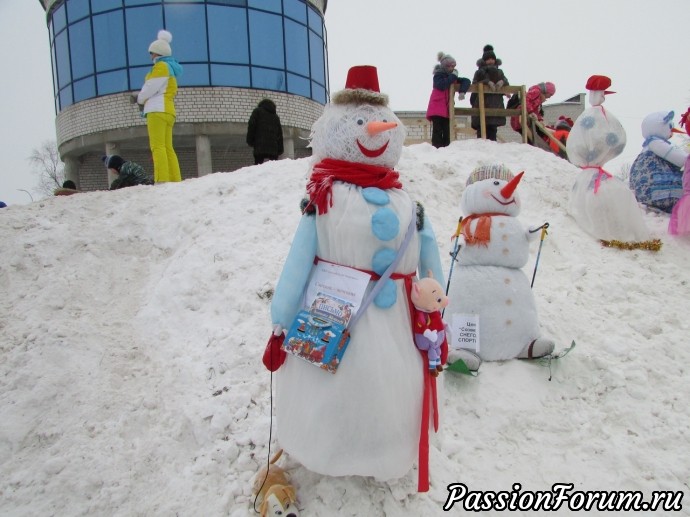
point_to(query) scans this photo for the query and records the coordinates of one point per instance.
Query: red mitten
(274, 356)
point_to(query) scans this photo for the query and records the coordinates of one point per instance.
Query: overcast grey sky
(643, 46)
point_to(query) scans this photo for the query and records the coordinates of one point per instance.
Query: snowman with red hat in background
(656, 175)
(372, 416)
(600, 203)
(489, 282)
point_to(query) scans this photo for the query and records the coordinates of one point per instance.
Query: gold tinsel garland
(651, 245)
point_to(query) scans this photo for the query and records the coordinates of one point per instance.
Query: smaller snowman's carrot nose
(508, 190)
(376, 127)
(679, 131)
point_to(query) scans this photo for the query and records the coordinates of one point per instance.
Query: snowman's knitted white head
(490, 189)
(659, 123)
(358, 126)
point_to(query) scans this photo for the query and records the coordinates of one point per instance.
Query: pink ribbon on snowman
(601, 174)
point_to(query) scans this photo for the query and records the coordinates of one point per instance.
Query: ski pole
(541, 243)
(453, 255)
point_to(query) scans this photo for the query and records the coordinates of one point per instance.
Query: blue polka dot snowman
(601, 204)
(366, 418)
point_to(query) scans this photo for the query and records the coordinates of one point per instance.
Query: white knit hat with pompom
(162, 45)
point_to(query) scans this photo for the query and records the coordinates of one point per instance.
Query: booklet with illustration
(319, 332)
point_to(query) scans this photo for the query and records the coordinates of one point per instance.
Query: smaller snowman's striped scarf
(482, 232)
(329, 170)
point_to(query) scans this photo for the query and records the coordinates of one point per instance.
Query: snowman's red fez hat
(598, 83)
(361, 87)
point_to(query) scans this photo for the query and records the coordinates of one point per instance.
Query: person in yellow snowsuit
(158, 99)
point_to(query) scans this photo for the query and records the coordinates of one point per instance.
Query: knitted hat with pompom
(162, 45)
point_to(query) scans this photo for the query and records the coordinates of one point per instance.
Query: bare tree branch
(46, 163)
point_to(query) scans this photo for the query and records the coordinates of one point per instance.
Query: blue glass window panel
(268, 79)
(137, 76)
(296, 47)
(55, 74)
(227, 34)
(229, 75)
(62, 58)
(98, 6)
(184, 1)
(81, 51)
(318, 70)
(65, 97)
(112, 82)
(187, 24)
(84, 89)
(139, 34)
(315, 21)
(296, 9)
(77, 9)
(318, 92)
(194, 75)
(266, 39)
(59, 19)
(109, 41)
(241, 3)
(140, 2)
(266, 5)
(299, 85)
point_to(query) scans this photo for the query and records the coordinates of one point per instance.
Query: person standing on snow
(493, 78)
(264, 132)
(445, 76)
(158, 99)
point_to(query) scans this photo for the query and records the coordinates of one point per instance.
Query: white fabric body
(596, 138)
(502, 298)
(488, 281)
(364, 419)
(611, 214)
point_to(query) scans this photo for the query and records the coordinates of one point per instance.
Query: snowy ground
(133, 323)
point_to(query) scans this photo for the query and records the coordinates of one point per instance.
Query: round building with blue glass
(234, 53)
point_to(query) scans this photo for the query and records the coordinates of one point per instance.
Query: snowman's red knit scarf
(329, 170)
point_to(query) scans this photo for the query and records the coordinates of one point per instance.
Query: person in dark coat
(492, 77)
(129, 174)
(264, 132)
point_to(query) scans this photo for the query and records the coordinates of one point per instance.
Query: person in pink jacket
(536, 96)
(445, 75)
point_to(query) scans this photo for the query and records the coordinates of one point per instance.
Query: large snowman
(600, 203)
(488, 281)
(370, 418)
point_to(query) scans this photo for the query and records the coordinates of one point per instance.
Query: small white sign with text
(464, 331)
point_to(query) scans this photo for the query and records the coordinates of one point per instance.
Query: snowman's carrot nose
(508, 190)
(679, 131)
(376, 127)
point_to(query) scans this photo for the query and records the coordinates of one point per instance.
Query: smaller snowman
(656, 175)
(600, 203)
(489, 282)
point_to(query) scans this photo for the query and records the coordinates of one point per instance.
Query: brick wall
(193, 105)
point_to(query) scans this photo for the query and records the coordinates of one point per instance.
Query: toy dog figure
(273, 489)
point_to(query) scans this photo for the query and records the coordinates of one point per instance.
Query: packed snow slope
(133, 324)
